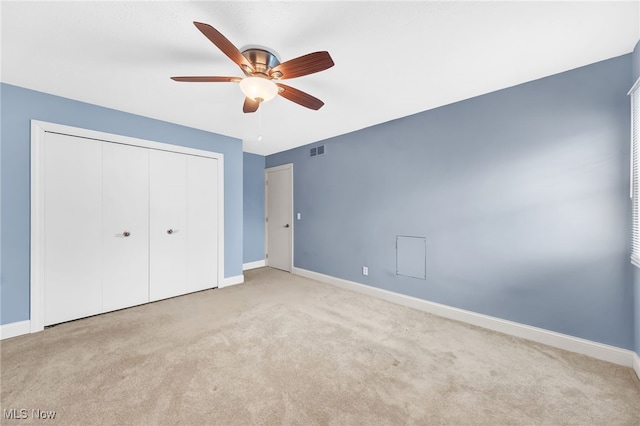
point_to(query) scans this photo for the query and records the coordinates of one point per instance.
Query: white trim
(280, 168)
(14, 329)
(220, 218)
(38, 131)
(37, 227)
(636, 364)
(634, 87)
(288, 166)
(562, 341)
(238, 279)
(121, 139)
(254, 265)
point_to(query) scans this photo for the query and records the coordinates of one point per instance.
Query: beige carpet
(281, 349)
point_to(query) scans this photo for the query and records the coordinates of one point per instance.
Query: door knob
(169, 231)
(126, 233)
(287, 225)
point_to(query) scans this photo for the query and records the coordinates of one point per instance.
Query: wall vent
(316, 150)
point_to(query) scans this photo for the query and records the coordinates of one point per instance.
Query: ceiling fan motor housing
(262, 61)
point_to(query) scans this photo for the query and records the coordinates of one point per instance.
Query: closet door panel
(72, 223)
(125, 229)
(202, 217)
(168, 224)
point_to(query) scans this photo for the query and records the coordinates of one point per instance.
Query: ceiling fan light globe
(258, 88)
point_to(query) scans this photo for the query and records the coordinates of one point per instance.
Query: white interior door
(167, 224)
(125, 227)
(202, 219)
(279, 218)
(72, 224)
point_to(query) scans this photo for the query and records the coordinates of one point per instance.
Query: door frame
(39, 129)
(289, 167)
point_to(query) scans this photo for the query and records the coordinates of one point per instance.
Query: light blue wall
(522, 195)
(253, 183)
(19, 106)
(636, 62)
(636, 283)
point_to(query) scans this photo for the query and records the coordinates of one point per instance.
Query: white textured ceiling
(392, 59)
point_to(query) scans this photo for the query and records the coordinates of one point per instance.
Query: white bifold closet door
(183, 238)
(202, 217)
(72, 228)
(125, 226)
(168, 225)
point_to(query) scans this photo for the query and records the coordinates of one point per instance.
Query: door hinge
(266, 219)
(266, 256)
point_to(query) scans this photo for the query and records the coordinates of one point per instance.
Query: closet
(121, 224)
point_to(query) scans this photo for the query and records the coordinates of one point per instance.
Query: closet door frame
(39, 129)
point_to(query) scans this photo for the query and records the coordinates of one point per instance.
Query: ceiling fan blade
(250, 105)
(224, 45)
(207, 79)
(299, 97)
(303, 65)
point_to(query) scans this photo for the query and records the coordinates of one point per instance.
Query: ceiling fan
(261, 69)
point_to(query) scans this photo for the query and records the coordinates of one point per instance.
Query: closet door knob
(169, 231)
(126, 233)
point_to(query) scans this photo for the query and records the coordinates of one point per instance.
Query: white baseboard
(254, 265)
(558, 340)
(238, 279)
(636, 364)
(15, 329)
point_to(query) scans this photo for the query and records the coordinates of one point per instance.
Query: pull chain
(259, 124)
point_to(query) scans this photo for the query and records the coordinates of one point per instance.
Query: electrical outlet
(365, 270)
